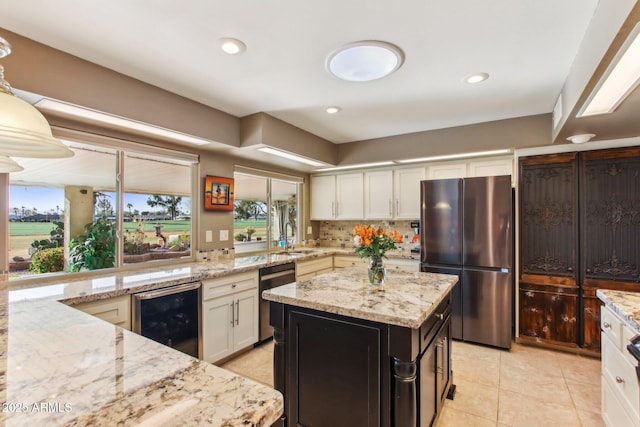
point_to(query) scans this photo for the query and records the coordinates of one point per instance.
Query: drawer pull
(619, 380)
(606, 325)
(440, 316)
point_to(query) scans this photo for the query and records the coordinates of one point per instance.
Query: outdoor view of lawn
(24, 233)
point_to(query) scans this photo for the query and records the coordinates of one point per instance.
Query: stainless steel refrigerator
(467, 230)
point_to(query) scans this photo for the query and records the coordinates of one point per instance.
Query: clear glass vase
(377, 271)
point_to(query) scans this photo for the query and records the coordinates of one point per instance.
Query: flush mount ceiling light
(619, 80)
(232, 46)
(477, 78)
(333, 110)
(24, 132)
(579, 139)
(55, 106)
(291, 156)
(365, 61)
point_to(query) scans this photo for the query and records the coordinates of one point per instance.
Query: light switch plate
(309, 230)
(224, 235)
(208, 236)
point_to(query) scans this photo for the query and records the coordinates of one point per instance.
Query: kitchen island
(349, 353)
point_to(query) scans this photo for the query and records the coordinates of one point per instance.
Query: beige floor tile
(584, 370)
(535, 384)
(473, 351)
(590, 419)
(518, 410)
(476, 370)
(256, 364)
(475, 399)
(453, 418)
(586, 397)
(532, 358)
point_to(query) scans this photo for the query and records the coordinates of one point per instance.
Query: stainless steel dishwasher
(272, 277)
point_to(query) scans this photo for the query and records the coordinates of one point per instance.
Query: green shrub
(95, 249)
(47, 261)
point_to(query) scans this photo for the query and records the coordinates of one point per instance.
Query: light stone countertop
(61, 366)
(625, 304)
(406, 299)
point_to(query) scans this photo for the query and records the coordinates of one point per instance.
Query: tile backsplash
(338, 234)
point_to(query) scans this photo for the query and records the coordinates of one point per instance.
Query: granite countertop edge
(34, 304)
(625, 304)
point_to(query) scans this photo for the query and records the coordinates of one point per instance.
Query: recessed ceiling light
(333, 110)
(232, 46)
(477, 78)
(579, 139)
(364, 61)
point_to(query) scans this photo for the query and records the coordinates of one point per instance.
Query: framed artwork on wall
(218, 193)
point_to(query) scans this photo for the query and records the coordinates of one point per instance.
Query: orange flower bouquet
(373, 243)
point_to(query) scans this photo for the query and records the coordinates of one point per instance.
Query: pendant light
(24, 132)
(7, 165)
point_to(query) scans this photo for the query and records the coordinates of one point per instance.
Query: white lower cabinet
(229, 315)
(115, 310)
(313, 267)
(620, 390)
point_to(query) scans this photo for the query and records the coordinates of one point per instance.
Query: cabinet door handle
(619, 380)
(333, 209)
(238, 312)
(390, 208)
(233, 313)
(606, 325)
(440, 316)
(397, 207)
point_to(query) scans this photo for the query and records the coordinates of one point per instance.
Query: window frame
(122, 148)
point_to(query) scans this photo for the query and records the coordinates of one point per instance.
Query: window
(266, 211)
(65, 213)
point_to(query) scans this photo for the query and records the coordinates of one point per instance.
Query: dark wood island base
(336, 370)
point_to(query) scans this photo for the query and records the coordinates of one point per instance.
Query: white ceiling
(527, 47)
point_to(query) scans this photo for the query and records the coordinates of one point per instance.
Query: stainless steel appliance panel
(487, 216)
(272, 277)
(441, 221)
(456, 297)
(487, 307)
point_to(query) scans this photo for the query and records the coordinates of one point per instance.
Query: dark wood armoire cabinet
(579, 231)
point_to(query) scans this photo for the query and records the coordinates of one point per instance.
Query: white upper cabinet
(406, 184)
(393, 194)
(378, 194)
(491, 167)
(386, 194)
(349, 200)
(337, 196)
(323, 197)
(447, 171)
